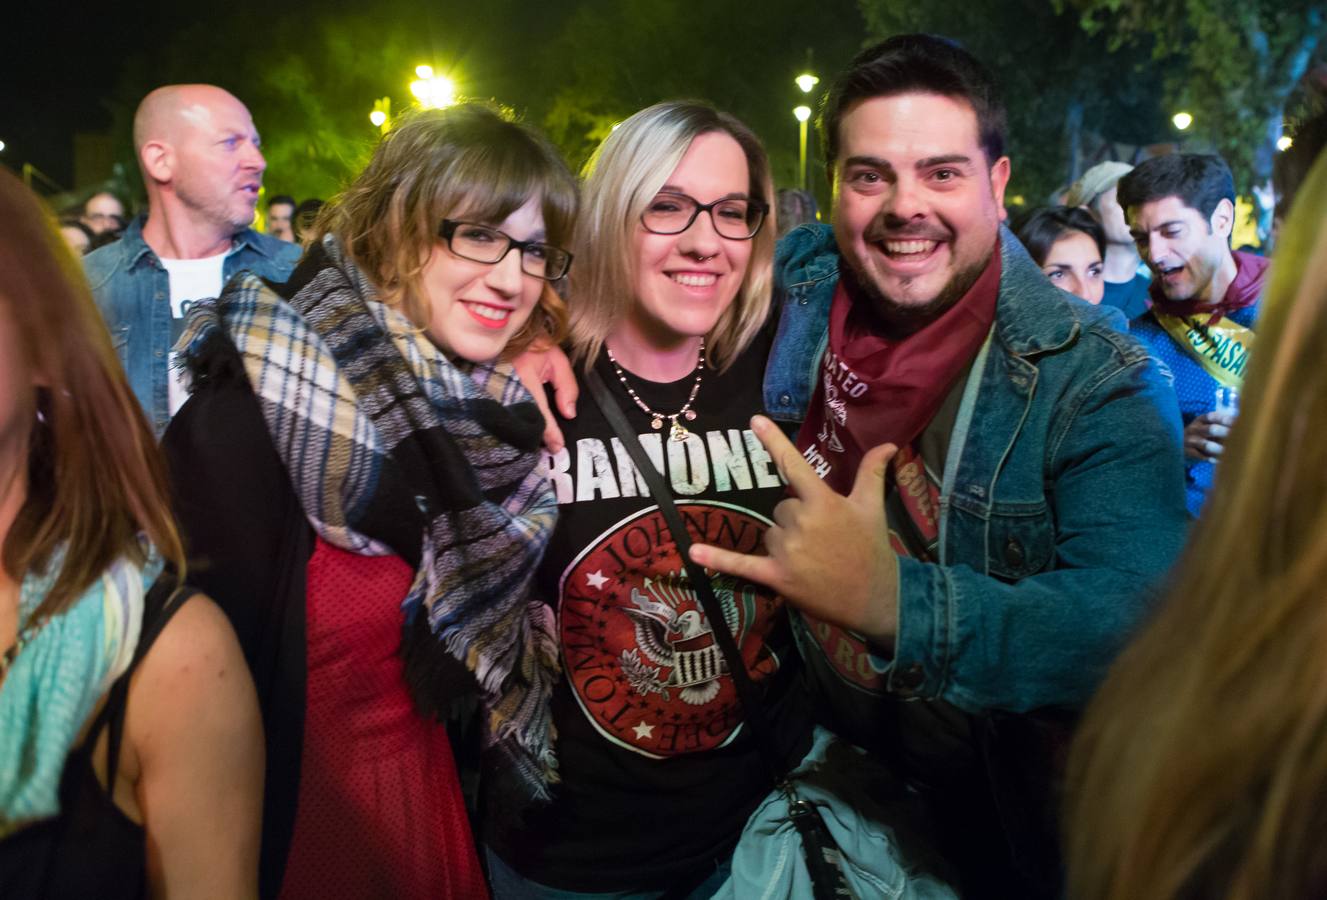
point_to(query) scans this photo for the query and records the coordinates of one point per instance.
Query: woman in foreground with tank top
(130, 744)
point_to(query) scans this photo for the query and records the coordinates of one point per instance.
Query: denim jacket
(132, 290)
(1062, 498)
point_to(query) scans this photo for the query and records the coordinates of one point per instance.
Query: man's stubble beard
(904, 319)
(215, 209)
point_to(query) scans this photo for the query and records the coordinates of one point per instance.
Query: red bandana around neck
(1245, 290)
(874, 389)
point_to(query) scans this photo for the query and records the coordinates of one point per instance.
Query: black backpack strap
(753, 705)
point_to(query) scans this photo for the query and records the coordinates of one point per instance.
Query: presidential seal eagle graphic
(639, 652)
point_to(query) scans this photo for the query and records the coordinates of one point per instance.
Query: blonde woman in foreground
(1201, 767)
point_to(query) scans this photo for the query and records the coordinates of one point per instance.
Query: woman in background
(1200, 769)
(1069, 245)
(130, 744)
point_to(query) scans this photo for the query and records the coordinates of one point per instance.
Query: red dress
(380, 809)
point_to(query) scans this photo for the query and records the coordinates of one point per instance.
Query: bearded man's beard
(899, 319)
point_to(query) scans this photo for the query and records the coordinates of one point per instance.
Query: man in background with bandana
(1181, 210)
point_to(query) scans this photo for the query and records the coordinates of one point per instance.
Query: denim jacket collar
(811, 255)
(134, 247)
(1020, 326)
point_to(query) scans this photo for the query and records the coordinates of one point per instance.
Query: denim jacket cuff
(920, 653)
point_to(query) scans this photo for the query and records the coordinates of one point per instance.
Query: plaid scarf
(364, 410)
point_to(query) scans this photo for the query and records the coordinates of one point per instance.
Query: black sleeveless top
(91, 849)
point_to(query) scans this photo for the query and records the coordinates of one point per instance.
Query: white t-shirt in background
(190, 280)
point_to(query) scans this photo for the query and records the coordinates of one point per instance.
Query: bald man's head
(165, 110)
(198, 149)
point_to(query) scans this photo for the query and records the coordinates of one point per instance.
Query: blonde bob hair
(620, 180)
(1200, 769)
(464, 162)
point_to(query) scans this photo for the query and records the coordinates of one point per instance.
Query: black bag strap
(159, 606)
(753, 706)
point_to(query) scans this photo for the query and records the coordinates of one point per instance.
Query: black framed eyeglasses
(736, 218)
(482, 244)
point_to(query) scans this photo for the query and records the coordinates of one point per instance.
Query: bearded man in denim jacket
(1028, 451)
(199, 154)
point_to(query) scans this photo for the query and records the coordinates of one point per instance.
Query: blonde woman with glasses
(669, 300)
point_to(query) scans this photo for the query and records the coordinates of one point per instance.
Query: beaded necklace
(678, 431)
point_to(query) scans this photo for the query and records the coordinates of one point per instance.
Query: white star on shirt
(597, 580)
(643, 731)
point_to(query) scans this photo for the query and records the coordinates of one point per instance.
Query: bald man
(199, 153)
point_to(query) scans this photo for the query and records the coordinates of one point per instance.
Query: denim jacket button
(1013, 554)
(910, 678)
(785, 399)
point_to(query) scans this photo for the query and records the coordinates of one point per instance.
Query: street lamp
(1182, 120)
(432, 91)
(807, 83)
(1283, 143)
(2, 146)
(381, 116)
(803, 116)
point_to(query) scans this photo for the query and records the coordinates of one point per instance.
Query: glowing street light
(807, 82)
(381, 116)
(1283, 143)
(431, 90)
(1182, 120)
(803, 115)
(2, 146)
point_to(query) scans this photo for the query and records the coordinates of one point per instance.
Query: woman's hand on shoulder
(545, 363)
(194, 727)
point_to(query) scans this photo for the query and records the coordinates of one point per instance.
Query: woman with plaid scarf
(356, 480)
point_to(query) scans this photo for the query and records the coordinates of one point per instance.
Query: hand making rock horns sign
(829, 555)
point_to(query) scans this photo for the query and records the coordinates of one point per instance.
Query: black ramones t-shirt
(658, 773)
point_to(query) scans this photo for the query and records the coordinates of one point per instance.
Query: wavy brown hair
(464, 162)
(1201, 767)
(95, 480)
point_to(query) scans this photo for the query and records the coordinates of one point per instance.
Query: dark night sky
(60, 62)
(60, 65)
